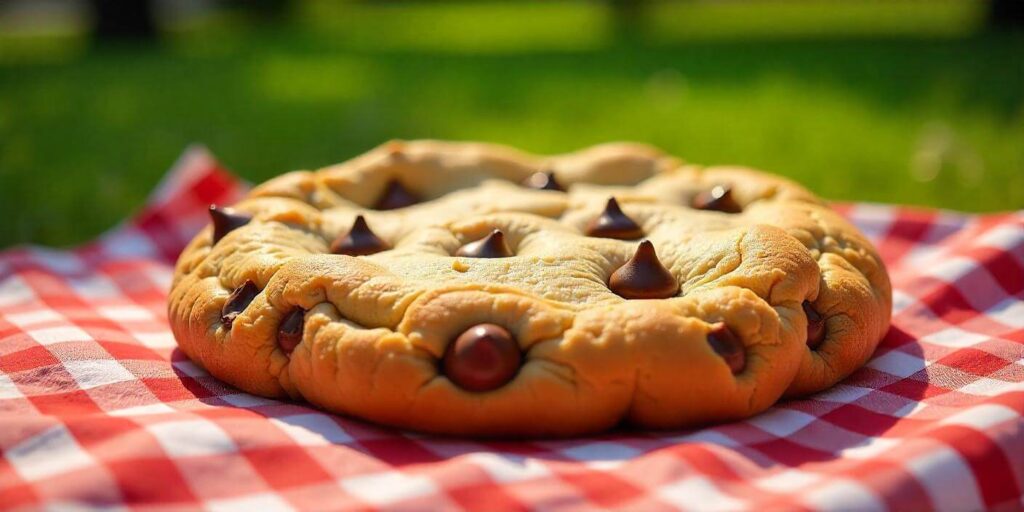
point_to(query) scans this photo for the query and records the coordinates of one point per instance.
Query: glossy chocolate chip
(226, 220)
(815, 326)
(719, 198)
(613, 223)
(726, 344)
(643, 276)
(289, 333)
(483, 358)
(237, 302)
(395, 196)
(543, 181)
(359, 241)
(490, 246)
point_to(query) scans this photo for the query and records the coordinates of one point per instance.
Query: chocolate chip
(289, 333)
(490, 246)
(543, 181)
(359, 241)
(483, 358)
(226, 220)
(719, 198)
(815, 326)
(613, 223)
(643, 276)
(237, 302)
(726, 344)
(395, 196)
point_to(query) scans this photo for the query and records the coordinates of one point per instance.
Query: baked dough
(269, 309)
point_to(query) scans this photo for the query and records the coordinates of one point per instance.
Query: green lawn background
(898, 102)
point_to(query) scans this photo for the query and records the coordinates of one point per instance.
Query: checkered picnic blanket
(98, 408)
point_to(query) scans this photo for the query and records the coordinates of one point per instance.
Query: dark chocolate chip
(643, 276)
(726, 344)
(395, 196)
(613, 223)
(719, 198)
(543, 181)
(226, 220)
(815, 326)
(359, 241)
(483, 358)
(490, 246)
(237, 302)
(289, 332)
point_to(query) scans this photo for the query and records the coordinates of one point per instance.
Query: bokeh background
(915, 102)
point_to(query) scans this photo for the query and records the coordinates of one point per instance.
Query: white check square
(61, 262)
(954, 337)
(601, 455)
(898, 363)
(901, 301)
(985, 386)
(95, 286)
(1008, 312)
(161, 276)
(843, 394)
(873, 220)
(390, 487)
(247, 400)
(871, 447)
(264, 502)
(13, 291)
(947, 479)
(1003, 237)
(29, 318)
(7, 388)
(505, 468)
(952, 269)
(704, 436)
(982, 416)
(189, 368)
(312, 429)
(52, 452)
(788, 480)
(851, 495)
(192, 438)
(156, 339)
(143, 410)
(51, 335)
(128, 242)
(698, 493)
(782, 422)
(91, 373)
(126, 313)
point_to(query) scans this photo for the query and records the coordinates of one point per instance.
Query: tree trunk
(1006, 14)
(123, 19)
(627, 18)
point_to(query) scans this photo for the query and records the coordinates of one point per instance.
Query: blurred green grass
(901, 102)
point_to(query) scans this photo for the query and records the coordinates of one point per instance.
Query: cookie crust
(375, 327)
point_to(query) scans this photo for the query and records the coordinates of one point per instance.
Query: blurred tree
(1006, 14)
(627, 18)
(121, 19)
(265, 10)
(272, 8)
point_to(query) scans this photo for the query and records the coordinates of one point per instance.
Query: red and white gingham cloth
(98, 408)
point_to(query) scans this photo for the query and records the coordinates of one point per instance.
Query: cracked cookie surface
(472, 289)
